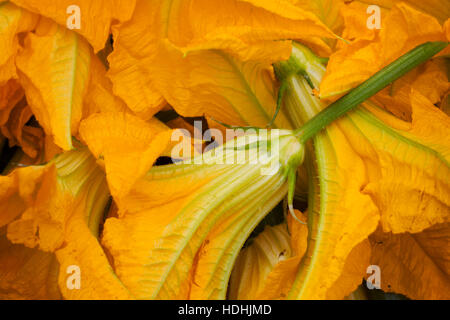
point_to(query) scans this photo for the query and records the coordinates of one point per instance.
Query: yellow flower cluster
(92, 93)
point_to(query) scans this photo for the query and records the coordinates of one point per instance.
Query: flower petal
(96, 16)
(328, 11)
(405, 28)
(437, 8)
(30, 139)
(27, 273)
(172, 58)
(10, 95)
(416, 265)
(187, 222)
(132, 45)
(413, 191)
(54, 71)
(355, 268)
(17, 191)
(225, 88)
(129, 146)
(341, 216)
(17, 21)
(64, 218)
(267, 268)
(430, 80)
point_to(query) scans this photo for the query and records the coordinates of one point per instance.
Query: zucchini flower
(180, 222)
(368, 168)
(180, 227)
(55, 211)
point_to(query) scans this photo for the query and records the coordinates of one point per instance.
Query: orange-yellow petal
(30, 139)
(415, 265)
(28, 274)
(132, 45)
(355, 269)
(96, 17)
(437, 8)
(64, 217)
(326, 10)
(405, 28)
(54, 71)
(128, 145)
(341, 215)
(267, 267)
(198, 56)
(17, 191)
(190, 220)
(10, 95)
(15, 20)
(99, 96)
(430, 80)
(255, 262)
(411, 188)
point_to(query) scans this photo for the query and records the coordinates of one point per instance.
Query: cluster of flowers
(88, 212)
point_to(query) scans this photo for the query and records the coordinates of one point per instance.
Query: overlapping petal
(437, 8)
(355, 268)
(54, 72)
(328, 11)
(267, 268)
(128, 145)
(96, 17)
(64, 81)
(429, 80)
(29, 138)
(421, 198)
(416, 265)
(18, 190)
(405, 28)
(187, 223)
(63, 216)
(14, 21)
(341, 216)
(377, 155)
(206, 64)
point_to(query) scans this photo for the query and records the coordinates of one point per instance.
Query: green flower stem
(376, 83)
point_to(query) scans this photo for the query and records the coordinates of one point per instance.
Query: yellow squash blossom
(359, 162)
(58, 208)
(206, 57)
(83, 190)
(268, 267)
(167, 201)
(57, 86)
(185, 220)
(14, 115)
(63, 217)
